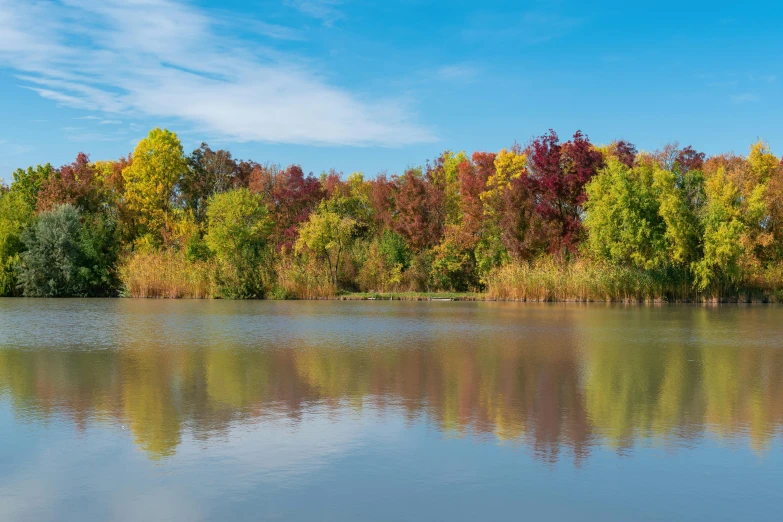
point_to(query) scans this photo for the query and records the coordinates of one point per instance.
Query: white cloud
(168, 60)
(745, 97)
(526, 27)
(8, 148)
(458, 72)
(324, 10)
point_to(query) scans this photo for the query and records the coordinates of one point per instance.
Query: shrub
(52, 264)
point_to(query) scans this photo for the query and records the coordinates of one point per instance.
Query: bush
(52, 265)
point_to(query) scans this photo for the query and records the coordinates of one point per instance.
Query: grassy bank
(411, 296)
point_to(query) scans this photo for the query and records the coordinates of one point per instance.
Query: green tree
(326, 234)
(28, 182)
(680, 199)
(725, 221)
(15, 216)
(237, 233)
(622, 218)
(53, 257)
(158, 162)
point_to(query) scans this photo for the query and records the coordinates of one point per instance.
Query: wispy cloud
(325, 10)
(458, 72)
(745, 97)
(9, 148)
(526, 27)
(170, 61)
(85, 134)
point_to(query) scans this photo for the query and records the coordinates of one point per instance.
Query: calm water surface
(352, 411)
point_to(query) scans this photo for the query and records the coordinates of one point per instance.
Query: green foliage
(28, 182)
(237, 233)
(680, 201)
(623, 219)
(15, 216)
(326, 235)
(100, 249)
(385, 260)
(54, 261)
(725, 227)
(394, 249)
(453, 266)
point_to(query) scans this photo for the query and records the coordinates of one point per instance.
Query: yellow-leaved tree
(158, 162)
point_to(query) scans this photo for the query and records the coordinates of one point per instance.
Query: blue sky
(372, 86)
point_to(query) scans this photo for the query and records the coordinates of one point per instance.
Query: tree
(680, 201)
(622, 216)
(521, 226)
(238, 229)
(28, 182)
(558, 174)
(73, 184)
(290, 197)
(209, 172)
(725, 222)
(53, 257)
(688, 159)
(444, 177)
(15, 216)
(158, 162)
(415, 218)
(625, 152)
(326, 234)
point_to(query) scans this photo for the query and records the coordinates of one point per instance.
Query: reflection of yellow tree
(741, 388)
(150, 392)
(237, 379)
(503, 386)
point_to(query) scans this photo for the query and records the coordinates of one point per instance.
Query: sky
(381, 86)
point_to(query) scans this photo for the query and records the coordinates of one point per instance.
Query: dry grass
(167, 274)
(549, 280)
(583, 281)
(299, 278)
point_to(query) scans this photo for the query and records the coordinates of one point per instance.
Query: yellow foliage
(158, 161)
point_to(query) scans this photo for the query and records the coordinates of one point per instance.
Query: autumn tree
(290, 197)
(74, 184)
(237, 233)
(415, 218)
(622, 216)
(29, 182)
(208, 172)
(326, 234)
(15, 216)
(150, 180)
(557, 174)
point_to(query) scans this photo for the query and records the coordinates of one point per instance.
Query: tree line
(550, 220)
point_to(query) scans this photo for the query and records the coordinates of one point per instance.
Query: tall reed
(551, 280)
(300, 278)
(167, 274)
(585, 280)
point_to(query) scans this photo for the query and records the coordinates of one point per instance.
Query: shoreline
(444, 297)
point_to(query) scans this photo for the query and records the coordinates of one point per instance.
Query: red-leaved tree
(557, 175)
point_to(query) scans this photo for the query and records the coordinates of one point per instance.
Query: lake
(131, 410)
